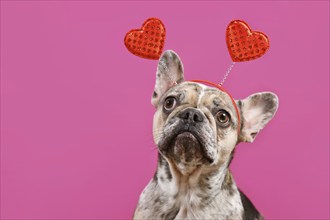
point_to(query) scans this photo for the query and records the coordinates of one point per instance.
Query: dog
(196, 129)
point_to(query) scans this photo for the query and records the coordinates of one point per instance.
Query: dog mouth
(187, 138)
(187, 147)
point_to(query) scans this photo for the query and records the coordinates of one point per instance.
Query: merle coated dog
(196, 129)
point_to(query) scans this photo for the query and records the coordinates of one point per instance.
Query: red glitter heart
(147, 42)
(243, 43)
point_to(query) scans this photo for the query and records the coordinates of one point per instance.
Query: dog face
(196, 126)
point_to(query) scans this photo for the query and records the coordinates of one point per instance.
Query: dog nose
(191, 115)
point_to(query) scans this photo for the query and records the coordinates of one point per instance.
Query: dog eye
(170, 103)
(223, 117)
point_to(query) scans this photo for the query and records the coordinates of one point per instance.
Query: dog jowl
(196, 129)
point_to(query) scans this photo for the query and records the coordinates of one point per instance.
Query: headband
(243, 44)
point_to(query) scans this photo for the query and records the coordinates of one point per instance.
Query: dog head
(196, 125)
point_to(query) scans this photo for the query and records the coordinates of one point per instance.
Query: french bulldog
(196, 129)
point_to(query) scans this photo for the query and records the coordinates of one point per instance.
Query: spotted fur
(193, 180)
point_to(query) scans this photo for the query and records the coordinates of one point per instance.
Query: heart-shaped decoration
(243, 43)
(147, 42)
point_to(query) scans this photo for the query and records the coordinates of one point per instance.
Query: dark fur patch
(254, 134)
(231, 157)
(216, 101)
(181, 96)
(266, 99)
(180, 69)
(155, 178)
(250, 212)
(204, 183)
(227, 184)
(241, 114)
(171, 214)
(168, 172)
(239, 105)
(163, 163)
(270, 105)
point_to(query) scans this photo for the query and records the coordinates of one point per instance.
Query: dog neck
(203, 184)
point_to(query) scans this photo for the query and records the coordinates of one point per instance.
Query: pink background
(76, 117)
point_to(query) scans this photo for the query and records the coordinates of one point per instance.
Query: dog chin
(187, 150)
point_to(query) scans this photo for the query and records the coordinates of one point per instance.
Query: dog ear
(169, 72)
(256, 111)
